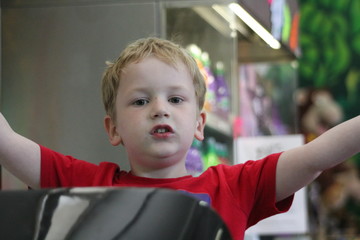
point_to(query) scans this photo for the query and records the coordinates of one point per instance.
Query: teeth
(161, 130)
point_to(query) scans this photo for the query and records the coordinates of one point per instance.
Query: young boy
(153, 96)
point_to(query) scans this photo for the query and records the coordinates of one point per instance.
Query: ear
(112, 132)
(200, 125)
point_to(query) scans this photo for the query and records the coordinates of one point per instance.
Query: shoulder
(244, 180)
(49, 155)
(249, 167)
(59, 170)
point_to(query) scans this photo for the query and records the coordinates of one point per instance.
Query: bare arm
(300, 166)
(19, 155)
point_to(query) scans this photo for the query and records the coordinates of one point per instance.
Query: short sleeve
(265, 204)
(58, 170)
(243, 194)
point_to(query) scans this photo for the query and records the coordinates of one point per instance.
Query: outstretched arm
(19, 155)
(300, 166)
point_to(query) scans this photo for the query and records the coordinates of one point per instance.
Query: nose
(159, 108)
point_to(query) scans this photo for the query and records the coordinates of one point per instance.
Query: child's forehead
(153, 66)
(154, 77)
(153, 63)
(171, 61)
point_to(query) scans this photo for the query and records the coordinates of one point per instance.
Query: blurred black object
(107, 213)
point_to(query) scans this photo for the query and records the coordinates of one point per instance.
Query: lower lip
(162, 135)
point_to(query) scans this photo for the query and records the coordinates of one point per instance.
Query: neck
(167, 172)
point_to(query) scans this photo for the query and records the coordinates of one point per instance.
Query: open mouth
(162, 129)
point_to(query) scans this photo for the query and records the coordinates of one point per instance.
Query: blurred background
(273, 68)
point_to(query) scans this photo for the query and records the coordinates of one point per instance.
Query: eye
(140, 102)
(176, 100)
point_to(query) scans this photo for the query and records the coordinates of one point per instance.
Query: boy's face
(157, 115)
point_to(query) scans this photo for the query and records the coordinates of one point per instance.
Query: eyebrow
(172, 88)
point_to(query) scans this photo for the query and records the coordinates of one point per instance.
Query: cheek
(130, 124)
(189, 123)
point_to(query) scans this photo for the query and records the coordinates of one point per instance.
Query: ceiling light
(255, 26)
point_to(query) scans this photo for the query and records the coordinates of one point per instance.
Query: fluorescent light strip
(254, 25)
(229, 16)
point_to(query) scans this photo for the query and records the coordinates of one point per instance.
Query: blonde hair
(165, 51)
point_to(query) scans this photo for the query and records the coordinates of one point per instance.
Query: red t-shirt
(242, 194)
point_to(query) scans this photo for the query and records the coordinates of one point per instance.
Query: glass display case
(208, 32)
(226, 44)
(267, 102)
